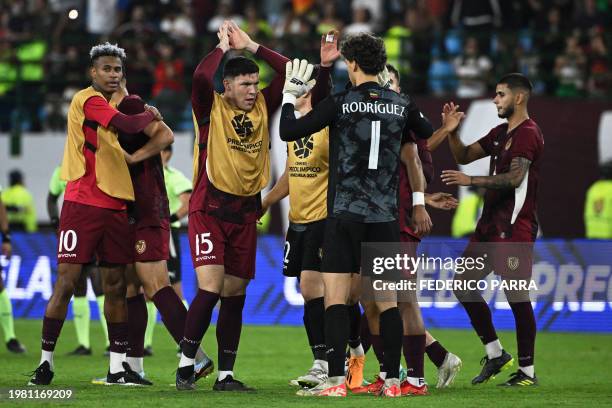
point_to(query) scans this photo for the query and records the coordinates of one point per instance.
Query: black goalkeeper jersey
(367, 126)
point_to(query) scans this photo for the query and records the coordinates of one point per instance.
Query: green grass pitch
(573, 369)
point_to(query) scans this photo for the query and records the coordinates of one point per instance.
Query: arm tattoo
(512, 179)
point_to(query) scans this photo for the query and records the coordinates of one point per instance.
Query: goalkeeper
(367, 125)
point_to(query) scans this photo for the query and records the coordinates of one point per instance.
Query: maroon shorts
(410, 244)
(151, 244)
(217, 242)
(509, 258)
(86, 230)
(408, 237)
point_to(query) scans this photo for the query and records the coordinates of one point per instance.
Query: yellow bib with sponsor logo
(112, 174)
(308, 168)
(238, 160)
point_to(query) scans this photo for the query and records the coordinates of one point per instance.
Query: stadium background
(562, 45)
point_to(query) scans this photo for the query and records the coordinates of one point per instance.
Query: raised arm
(275, 60)
(239, 40)
(418, 123)
(321, 89)
(273, 92)
(329, 54)
(202, 88)
(463, 154)
(293, 129)
(451, 118)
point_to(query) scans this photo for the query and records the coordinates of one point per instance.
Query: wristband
(288, 98)
(6, 237)
(418, 198)
(174, 218)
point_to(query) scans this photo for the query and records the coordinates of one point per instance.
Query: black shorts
(303, 247)
(174, 261)
(343, 238)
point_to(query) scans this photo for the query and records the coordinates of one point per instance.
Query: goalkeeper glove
(297, 80)
(383, 78)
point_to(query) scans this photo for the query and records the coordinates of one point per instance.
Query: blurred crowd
(441, 47)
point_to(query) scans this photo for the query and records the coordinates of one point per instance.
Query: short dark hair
(516, 80)
(131, 105)
(367, 51)
(106, 50)
(239, 66)
(394, 71)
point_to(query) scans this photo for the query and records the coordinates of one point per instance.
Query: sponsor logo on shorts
(205, 258)
(66, 255)
(141, 246)
(513, 263)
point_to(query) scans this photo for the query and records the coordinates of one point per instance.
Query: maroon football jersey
(510, 214)
(205, 196)
(151, 201)
(405, 191)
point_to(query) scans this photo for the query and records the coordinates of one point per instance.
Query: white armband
(418, 198)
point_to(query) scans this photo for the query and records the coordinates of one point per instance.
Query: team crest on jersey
(303, 147)
(141, 246)
(513, 263)
(508, 144)
(243, 126)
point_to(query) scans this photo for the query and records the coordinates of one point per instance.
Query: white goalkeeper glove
(383, 78)
(297, 80)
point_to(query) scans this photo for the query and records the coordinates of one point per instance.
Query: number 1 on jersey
(374, 145)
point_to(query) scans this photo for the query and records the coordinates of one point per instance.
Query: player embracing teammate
(94, 219)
